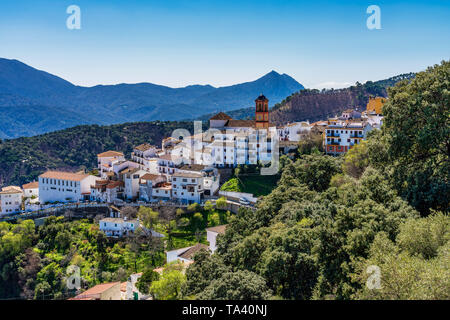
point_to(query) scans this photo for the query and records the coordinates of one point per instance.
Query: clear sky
(179, 43)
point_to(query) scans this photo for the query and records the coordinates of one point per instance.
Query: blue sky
(178, 43)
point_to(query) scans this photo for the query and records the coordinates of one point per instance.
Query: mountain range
(34, 102)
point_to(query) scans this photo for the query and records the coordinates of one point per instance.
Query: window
(193, 180)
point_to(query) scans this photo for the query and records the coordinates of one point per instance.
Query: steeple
(262, 112)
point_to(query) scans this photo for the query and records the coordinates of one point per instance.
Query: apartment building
(58, 186)
(10, 200)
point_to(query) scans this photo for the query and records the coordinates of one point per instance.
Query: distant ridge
(314, 105)
(34, 102)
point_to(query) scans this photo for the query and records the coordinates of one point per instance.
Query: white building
(341, 135)
(57, 186)
(184, 255)
(10, 200)
(107, 191)
(153, 187)
(187, 187)
(142, 153)
(106, 160)
(211, 235)
(131, 178)
(118, 227)
(294, 131)
(31, 190)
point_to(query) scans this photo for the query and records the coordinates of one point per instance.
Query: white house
(294, 131)
(131, 178)
(31, 190)
(211, 176)
(147, 183)
(65, 186)
(184, 255)
(118, 227)
(341, 135)
(211, 235)
(142, 153)
(106, 160)
(187, 187)
(107, 191)
(10, 200)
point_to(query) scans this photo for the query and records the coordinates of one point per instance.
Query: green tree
(417, 126)
(168, 287)
(239, 285)
(144, 282)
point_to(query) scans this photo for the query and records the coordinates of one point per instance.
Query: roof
(221, 116)
(115, 184)
(64, 175)
(144, 147)
(192, 167)
(108, 154)
(262, 98)
(218, 229)
(240, 123)
(168, 157)
(189, 253)
(31, 185)
(150, 176)
(129, 170)
(11, 189)
(96, 290)
(117, 220)
(187, 174)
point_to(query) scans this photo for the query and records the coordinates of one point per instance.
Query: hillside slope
(23, 159)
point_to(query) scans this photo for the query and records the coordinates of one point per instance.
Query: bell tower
(262, 112)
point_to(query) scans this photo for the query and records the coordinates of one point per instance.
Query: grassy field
(258, 185)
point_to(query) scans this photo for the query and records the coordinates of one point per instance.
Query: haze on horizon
(179, 43)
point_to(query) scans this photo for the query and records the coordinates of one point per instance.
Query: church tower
(262, 112)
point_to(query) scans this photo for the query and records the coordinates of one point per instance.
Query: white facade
(340, 136)
(106, 161)
(187, 187)
(211, 236)
(10, 200)
(293, 131)
(55, 186)
(118, 227)
(131, 180)
(31, 190)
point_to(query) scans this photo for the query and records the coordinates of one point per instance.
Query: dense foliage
(33, 260)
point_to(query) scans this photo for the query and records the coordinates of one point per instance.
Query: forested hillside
(23, 159)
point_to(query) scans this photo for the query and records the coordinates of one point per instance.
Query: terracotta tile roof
(108, 154)
(64, 175)
(192, 167)
(189, 254)
(221, 116)
(168, 157)
(96, 291)
(115, 184)
(31, 185)
(144, 147)
(240, 123)
(11, 189)
(218, 229)
(187, 175)
(150, 176)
